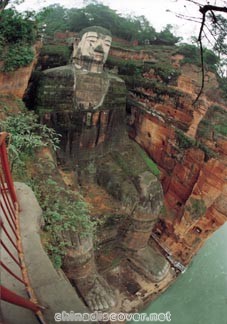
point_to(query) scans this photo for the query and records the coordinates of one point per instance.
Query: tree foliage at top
(17, 34)
(5, 3)
(166, 36)
(58, 18)
(192, 55)
(212, 29)
(16, 27)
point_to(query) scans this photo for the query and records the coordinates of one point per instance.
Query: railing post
(10, 297)
(5, 166)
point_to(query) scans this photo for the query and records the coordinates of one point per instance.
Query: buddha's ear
(76, 49)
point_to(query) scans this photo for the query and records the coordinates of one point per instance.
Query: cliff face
(178, 136)
(188, 143)
(15, 83)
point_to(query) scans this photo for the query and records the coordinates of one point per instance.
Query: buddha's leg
(79, 265)
(143, 257)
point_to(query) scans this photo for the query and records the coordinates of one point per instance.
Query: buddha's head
(92, 49)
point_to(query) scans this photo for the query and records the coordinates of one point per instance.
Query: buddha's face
(95, 46)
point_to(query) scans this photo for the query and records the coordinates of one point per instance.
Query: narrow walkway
(10, 313)
(51, 287)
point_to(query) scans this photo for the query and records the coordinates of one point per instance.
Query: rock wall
(129, 54)
(189, 145)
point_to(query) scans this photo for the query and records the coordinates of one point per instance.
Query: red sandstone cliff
(15, 83)
(193, 165)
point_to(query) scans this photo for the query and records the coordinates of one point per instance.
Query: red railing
(10, 240)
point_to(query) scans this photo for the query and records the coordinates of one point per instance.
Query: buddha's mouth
(98, 56)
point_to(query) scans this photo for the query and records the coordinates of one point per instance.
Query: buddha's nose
(99, 49)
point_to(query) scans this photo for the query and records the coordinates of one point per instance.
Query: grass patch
(149, 162)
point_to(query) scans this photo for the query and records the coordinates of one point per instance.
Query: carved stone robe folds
(86, 108)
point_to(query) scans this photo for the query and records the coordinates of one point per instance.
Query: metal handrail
(10, 226)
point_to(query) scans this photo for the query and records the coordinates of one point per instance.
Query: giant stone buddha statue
(82, 102)
(86, 105)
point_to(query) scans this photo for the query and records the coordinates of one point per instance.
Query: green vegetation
(214, 124)
(166, 37)
(60, 50)
(223, 86)
(5, 3)
(196, 208)
(221, 129)
(97, 29)
(17, 34)
(219, 32)
(150, 163)
(190, 52)
(65, 213)
(18, 55)
(57, 55)
(122, 163)
(134, 166)
(58, 18)
(184, 142)
(192, 55)
(166, 72)
(16, 27)
(27, 135)
(158, 88)
(129, 67)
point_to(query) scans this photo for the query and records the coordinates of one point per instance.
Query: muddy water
(199, 296)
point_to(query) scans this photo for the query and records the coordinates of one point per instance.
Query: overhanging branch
(204, 9)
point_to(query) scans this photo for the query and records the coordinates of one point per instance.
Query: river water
(199, 296)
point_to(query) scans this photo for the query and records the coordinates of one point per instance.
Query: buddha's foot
(150, 263)
(100, 297)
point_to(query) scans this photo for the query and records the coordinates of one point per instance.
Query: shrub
(221, 129)
(149, 162)
(64, 211)
(17, 55)
(196, 207)
(129, 67)
(190, 52)
(192, 55)
(184, 142)
(59, 50)
(17, 33)
(166, 72)
(17, 28)
(27, 135)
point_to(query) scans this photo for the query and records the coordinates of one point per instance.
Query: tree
(166, 36)
(55, 17)
(5, 3)
(219, 33)
(16, 27)
(144, 30)
(58, 18)
(208, 15)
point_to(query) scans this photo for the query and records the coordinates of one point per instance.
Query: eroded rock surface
(88, 108)
(187, 142)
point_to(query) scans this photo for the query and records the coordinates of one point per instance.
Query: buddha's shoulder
(115, 77)
(61, 71)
